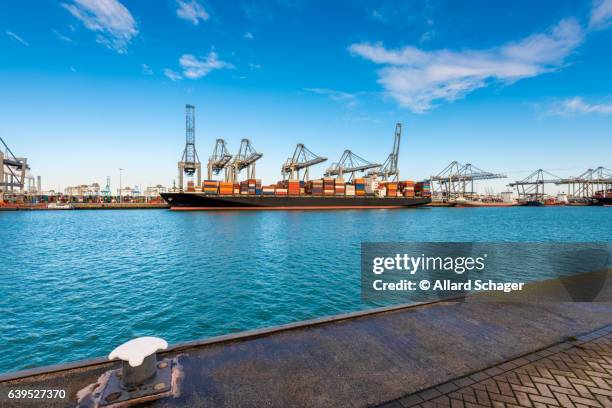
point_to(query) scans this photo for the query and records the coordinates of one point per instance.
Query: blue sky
(89, 86)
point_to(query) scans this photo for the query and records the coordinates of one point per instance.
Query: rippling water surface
(74, 284)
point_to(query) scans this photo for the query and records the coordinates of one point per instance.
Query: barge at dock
(200, 201)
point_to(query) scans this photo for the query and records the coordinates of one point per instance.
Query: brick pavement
(574, 374)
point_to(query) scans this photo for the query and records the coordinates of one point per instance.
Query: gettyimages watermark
(534, 272)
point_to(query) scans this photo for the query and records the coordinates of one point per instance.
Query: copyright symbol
(424, 284)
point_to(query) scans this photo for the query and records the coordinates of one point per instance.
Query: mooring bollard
(139, 360)
(141, 376)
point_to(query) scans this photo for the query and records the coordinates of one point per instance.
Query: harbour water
(75, 284)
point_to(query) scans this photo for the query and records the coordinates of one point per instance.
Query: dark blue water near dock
(75, 284)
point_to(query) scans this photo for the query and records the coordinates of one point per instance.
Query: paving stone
(561, 376)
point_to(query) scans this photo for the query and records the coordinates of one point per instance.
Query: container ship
(322, 194)
(295, 191)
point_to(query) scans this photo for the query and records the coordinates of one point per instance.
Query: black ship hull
(199, 201)
(603, 200)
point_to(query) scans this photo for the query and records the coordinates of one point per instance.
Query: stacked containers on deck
(371, 185)
(236, 188)
(268, 190)
(316, 187)
(426, 189)
(339, 187)
(350, 190)
(423, 189)
(329, 185)
(226, 188)
(254, 186)
(391, 189)
(190, 186)
(244, 187)
(407, 188)
(293, 187)
(360, 187)
(210, 187)
(281, 189)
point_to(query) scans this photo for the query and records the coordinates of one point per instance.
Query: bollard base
(110, 391)
(113, 392)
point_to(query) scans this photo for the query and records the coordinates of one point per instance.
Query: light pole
(120, 186)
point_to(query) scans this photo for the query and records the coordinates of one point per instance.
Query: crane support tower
(457, 180)
(244, 159)
(13, 171)
(389, 171)
(350, 163)
(219, 160)
(190, 163)
(302, 159)
(531, 188)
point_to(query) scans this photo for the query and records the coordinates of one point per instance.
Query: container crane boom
(220, 158)
(350, 163)
(245, 159)
(302, 159)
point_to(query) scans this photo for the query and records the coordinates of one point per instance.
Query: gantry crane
(457, 180)
(244, 159)
(531, 188)
(350, 163)
(13, 170)
(389, 171)
(219, 160)
(588, 183)
(190, 162)
(302, 159)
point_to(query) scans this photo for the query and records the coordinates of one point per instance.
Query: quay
(83, 206)
(444, 353)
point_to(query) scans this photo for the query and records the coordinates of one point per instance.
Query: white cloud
(419, 80)
(17, 38)
(173, 75)
(348, 99)
(195, 68)
(577, 106)
(113, 23)
(146, 69)
(601, 14)
(62, 36)
(191, 11)
(249, 35)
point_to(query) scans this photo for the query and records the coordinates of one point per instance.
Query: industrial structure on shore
(456, 183)
(352, 176)
(593, 184)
